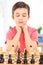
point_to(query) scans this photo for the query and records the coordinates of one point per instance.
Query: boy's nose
(20, 17)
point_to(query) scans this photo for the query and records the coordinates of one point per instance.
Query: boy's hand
(18, 29)
(24, 28)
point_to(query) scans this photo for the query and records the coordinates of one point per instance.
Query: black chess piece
(32, 59)
(18, 58)
(10, 59)
(25, 61)
(41, 59)
(30, 45)
(1, 58)
(12, 45)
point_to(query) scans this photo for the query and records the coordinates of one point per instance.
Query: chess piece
(10, 59)
(12, 45)
(0, 50)
(18, 58)
(30, 51)
(1, 58)
(30, 45)
(12, 50)
(32, 59)
(25, 61)
(41, 59)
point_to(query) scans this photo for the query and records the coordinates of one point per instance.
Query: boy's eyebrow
(22, 13)
(17, 13)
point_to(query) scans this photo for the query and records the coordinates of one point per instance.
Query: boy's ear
(12, 17)
(28, 17)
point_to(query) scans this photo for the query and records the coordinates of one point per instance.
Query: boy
(22, 35)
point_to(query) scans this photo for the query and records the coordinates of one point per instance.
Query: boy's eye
(24, 15)
(17, 15)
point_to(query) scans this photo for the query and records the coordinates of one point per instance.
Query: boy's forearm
(16, 37)
(14, 42)
(29, 41)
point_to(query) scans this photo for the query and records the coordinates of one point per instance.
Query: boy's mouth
(20, 22)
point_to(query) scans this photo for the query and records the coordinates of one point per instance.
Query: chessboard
(19, 64)
(20, 58)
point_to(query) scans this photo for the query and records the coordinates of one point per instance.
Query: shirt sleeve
(9, 35)
(34, 35)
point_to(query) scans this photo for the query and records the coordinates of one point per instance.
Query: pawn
(32, 59)
(1, 58)
(41, 59)
(25, 61)
(18, 58)
(10, 59)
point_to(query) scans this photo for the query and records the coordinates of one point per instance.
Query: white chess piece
(40, 49)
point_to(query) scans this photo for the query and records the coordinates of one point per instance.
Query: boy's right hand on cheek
(18, 29)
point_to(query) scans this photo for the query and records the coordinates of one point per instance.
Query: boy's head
(20, 13)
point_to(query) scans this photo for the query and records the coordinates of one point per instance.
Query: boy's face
(21, 16)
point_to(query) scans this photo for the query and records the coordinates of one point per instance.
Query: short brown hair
(20, 5)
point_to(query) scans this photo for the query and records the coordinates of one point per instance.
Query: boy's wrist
(18, 29)
(25, 28)
(18, 33)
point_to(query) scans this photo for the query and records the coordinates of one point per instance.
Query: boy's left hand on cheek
(25, 28)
